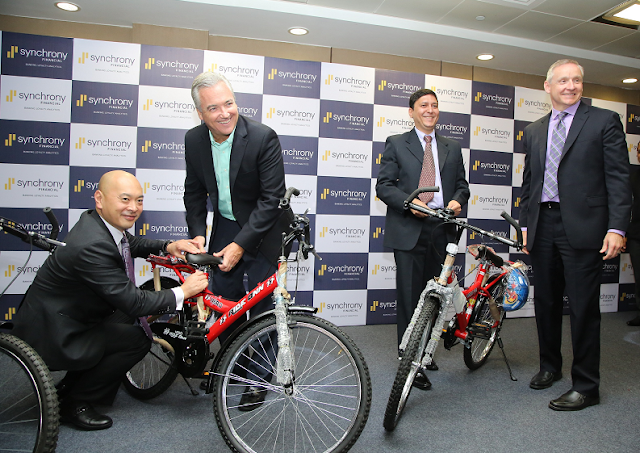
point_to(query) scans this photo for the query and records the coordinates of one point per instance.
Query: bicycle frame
(228, 310)
(438, 286)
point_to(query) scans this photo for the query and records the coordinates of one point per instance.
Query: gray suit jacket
(399, 175)
(593, 177)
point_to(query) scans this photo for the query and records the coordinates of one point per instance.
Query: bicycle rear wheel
(487, 327)
(155, 373)
(410, 363)
(28, 399)
(330, 399)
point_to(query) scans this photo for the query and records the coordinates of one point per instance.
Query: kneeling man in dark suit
(65, 314)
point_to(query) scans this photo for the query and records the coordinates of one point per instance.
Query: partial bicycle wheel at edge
(155, 373)
(28, 399)
(479, 348)
(331, 396)
(410, 363)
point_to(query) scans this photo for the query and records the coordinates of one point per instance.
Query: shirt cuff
(620, 232)
(179, 297)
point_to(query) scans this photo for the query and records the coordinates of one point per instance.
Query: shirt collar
(228, 141)
(569, 110)
(115, 233)
(421, 135)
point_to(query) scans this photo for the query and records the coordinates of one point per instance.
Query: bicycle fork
(285, 364)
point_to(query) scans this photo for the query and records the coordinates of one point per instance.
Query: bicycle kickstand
(513, 378)
(194, 392)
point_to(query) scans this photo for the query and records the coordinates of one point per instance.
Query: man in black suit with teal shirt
(418, 241)
(66, 315)
(237, 164)
(575, 206)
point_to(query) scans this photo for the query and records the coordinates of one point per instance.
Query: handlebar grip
(514, 224)
(495, 259)
(418, 191)
(54, 222)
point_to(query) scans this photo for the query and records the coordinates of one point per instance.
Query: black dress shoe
(544, 379)
(421, 381)
(82, 415)
(634, 322)
(252, 398)
(573, 401)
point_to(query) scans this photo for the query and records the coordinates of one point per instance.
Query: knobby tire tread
(36, 368)
(395, 405)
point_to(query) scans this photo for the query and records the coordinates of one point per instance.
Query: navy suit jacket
(256, 176)
(593, 177)
(399, 175)
(77, 288)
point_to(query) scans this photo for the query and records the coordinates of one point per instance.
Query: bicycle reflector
(517, 291)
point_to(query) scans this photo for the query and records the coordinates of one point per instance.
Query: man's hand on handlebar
(194, 284)
(418, 214)
(179, 248)
(455, 207)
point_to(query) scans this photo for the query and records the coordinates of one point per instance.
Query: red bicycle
(499, 286)
(321, 396)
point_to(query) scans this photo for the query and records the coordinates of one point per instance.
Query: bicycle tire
(410, 363)
(155, 373)
(29, 417)
(478, 349)
(331, 396)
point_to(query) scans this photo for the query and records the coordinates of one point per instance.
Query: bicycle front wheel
(410, 363)
(487, 327)
(324, 411)
(28, 399)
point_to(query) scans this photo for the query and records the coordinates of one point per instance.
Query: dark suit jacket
(399, 175)
(256, 176)
(593, 177)
(77, 287)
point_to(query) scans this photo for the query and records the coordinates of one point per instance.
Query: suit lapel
(443, 152)
(578, 122)
(542, 140)
(207, 158)
(238, 148)
(415, 147)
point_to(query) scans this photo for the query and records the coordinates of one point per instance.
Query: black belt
(550, 205)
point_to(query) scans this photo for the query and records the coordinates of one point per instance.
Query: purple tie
(131, 273)
(558, 137)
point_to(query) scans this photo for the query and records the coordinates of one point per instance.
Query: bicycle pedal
(196, 330)
(480, 330)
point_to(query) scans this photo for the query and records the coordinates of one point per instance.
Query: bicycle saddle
(203, 259)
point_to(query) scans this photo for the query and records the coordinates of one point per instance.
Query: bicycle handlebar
(447, 216)
(31, 237)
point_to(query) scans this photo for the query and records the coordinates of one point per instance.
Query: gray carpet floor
(479, 411)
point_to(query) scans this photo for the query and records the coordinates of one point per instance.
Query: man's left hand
(612, 245)
(179, 248)
(231, 254)
(455, 207)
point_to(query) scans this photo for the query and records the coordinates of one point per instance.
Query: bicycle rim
(28, 400)
(410, 364)
(479, 348)
(152, 375)
(331, 397)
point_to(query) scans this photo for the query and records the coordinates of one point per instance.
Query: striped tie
(558, 136)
